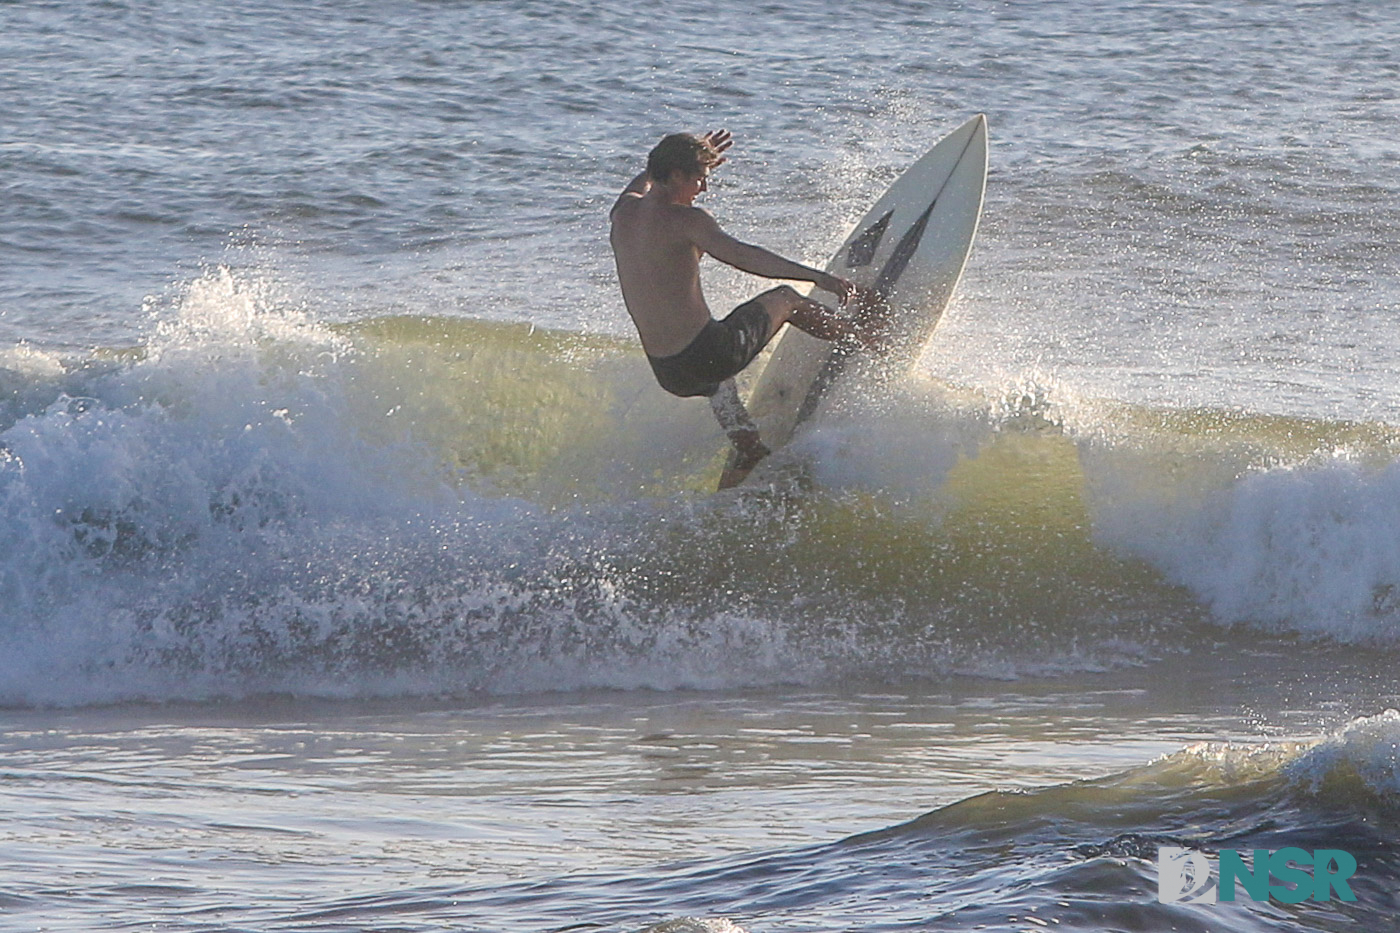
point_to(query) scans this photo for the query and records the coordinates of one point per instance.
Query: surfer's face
(693, 186)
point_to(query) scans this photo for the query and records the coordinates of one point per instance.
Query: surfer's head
(684, 153)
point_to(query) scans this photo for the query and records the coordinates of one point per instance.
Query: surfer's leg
(871, 313)
(734, 418)
(785, 304)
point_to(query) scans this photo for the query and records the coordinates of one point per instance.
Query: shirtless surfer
(658, 237)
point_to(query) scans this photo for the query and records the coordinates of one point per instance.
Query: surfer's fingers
(846, 291)
(841, 288)
(720, 139)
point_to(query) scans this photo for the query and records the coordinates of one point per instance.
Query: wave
(1081, 856)
(256, 500)
(1084, 855)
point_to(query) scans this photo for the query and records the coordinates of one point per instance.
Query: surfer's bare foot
(748, 451)
(748, 448)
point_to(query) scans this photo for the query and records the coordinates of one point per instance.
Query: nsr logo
(1183, 875)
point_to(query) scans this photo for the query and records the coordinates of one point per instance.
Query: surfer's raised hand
(719, 140)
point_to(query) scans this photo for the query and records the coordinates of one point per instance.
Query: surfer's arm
(707, 235)
(635, 189)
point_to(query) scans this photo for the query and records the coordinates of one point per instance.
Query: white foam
(246, 507)
(217, 517)
(27, 360)
(696, 925)
(1310, 547)
(1367, 749)
(227, 441)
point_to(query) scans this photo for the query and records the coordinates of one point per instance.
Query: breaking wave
(255, 500)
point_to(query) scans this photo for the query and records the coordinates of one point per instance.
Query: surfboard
(910, 248)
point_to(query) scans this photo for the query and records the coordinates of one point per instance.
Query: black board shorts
(720, 351)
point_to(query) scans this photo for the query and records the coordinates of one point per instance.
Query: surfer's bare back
(658, 237)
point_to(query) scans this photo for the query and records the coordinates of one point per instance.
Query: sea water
(355, 575)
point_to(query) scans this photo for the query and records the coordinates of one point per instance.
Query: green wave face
(545, 414)
(1025, 507)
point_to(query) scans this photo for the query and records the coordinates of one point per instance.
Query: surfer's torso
(658, 266)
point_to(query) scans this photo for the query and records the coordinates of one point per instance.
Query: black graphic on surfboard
(884, 285)
(862, 251)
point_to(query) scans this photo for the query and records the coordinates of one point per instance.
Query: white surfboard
(910, 248)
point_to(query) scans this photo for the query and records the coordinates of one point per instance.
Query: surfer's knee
(784, 297)
(781, 303)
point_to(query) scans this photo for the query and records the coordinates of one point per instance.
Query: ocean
(355, 575)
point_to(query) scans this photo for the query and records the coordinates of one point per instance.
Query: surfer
(658, 237)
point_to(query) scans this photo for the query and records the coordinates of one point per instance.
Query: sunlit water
(354, 574)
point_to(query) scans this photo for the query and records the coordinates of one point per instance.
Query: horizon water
(355, 575)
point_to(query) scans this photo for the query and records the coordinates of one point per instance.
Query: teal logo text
(1290, 875)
